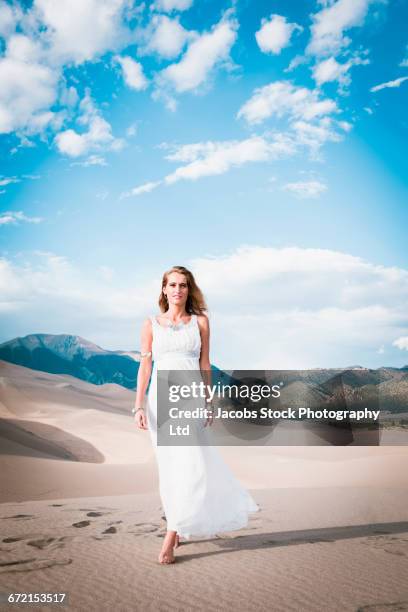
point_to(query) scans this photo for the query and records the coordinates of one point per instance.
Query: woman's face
(176, 289)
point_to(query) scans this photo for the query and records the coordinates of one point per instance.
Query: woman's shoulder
(148, 321)
(202, 320)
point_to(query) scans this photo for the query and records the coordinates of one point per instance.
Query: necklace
(172, 325)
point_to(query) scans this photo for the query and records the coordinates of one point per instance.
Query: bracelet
(137, 410)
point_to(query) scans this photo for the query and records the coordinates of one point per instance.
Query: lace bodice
(174, 343)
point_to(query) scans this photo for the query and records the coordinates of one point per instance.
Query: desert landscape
(81, 513)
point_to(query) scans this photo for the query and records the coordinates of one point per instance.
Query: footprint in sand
(81, 524)
(143, 528)
(20, 516)
(12, 539)
(49, 542)
(93, 509)
(39, 542)
(107, 531)
(8, 563)
(28, 565)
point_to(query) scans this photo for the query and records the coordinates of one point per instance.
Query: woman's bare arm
(204, 326)
(205, 365)
(145, 370)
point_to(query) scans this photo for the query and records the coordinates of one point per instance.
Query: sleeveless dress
(199, 493)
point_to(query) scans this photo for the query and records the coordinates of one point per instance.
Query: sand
(81, 514)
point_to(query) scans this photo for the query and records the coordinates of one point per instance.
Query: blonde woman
(200, 495)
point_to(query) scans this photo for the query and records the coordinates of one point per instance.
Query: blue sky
(260, 144)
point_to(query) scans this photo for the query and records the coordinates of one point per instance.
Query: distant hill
(66, 354)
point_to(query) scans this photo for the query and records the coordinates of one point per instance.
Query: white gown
(199, 493)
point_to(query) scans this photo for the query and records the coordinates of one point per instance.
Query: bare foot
(166, 555)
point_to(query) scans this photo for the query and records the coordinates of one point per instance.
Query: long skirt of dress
(200, 495)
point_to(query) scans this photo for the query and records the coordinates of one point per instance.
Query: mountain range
(76, 356)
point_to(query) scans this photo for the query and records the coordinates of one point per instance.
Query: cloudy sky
(260, 144)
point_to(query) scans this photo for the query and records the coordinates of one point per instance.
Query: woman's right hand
(141, 419)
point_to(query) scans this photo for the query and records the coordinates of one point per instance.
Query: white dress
(199, 493)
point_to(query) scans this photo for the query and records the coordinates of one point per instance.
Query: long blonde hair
(195, 303)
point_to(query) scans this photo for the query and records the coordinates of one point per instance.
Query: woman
(199, 493)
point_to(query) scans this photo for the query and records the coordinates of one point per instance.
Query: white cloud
(69, 96)
(298, 60)
(392, 84)
(102, 195)
(23, 48)
(282, 98)
(275, 34)
(132, 72)
(76, 300)
(165, 36)
(300, 307)
(202, 56)
(213, 158)
(306, 189)
(15, 216)
(98, 137)
(145, 188)
(9, 180)
(93, 160)
(131, 130)
(169, 100)
(401, 343)
(173, 5)
(331, 23)
(48, 37)
(315, 135)
(71, 143)
(27, 91)
(329, 70)
(9, 16)
(80, 30)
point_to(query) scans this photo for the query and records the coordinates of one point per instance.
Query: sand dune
(81, 514)
(30, 435)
